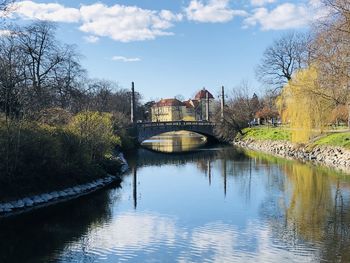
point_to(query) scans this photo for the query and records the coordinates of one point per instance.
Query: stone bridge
(146, 130)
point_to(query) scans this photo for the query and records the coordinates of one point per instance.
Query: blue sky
(173, 47)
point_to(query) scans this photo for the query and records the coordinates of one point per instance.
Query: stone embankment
(37, 201)
(335, 157)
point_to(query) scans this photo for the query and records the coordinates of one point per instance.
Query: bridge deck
(146, 130)
(175, 123)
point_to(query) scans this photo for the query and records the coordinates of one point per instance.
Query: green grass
(341, 139)
(335, 139)
(266, 133)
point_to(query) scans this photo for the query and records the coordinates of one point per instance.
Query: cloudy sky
(173, 47)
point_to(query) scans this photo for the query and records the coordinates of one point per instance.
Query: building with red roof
(189, 110)
(202, 94)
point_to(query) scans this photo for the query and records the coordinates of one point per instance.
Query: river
(207, 204)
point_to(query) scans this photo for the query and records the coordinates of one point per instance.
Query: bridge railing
(175, 123)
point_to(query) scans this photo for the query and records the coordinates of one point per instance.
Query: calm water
(214, 205)
(175, 142)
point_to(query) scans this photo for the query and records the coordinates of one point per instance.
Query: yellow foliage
(95, 129)
(311, 200)
(304, 104)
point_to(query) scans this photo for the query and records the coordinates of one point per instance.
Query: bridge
(146, 130)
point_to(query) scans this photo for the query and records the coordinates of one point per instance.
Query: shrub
(95, 131)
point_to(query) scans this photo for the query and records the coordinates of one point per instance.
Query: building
(189, 110)
(167, 110)
(201, 97)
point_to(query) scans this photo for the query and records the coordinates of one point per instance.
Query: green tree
(95, 130)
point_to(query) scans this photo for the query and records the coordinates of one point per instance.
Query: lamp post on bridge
(132, 114)
(222, 102)
(207, 105)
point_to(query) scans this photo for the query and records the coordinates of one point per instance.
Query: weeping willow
(304, 104)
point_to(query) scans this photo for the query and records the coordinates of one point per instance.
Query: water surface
(175, 142)
(217, 204)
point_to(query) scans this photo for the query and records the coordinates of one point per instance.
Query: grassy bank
(265, 133)
(339, 139)
(38, 157)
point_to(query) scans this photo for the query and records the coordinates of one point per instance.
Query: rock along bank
(330, 156)
(30, 203)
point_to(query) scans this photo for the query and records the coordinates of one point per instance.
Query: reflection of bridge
(205, 160)
(147, 130)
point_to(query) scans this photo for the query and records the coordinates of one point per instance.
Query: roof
(202, 94)
(188, 104)
(168, 102)
(191, 103)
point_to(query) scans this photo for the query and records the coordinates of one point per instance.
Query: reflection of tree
(310, 202)
(308, 205)
(337, 239)
(144, 157)
(39, 236)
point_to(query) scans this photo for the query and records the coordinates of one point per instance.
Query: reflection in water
(209, 172)
(134, 189)
(171, 142)
(214, 205)
(42, 235)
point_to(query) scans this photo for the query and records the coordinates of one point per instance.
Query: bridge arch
(147, 130)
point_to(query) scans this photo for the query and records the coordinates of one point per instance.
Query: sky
(170, 47)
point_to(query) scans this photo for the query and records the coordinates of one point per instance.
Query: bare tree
(282, 59)
(340, 12)
(67, 78)
(6, 6)
(239, 111)
(43, 55)
(331, 53)
(12, 65)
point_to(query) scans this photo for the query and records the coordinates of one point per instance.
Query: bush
(38, 157)
(96, 133)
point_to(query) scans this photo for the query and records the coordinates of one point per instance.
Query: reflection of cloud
(134, 231)
(134, 235)
(218, 239)
(219, 242)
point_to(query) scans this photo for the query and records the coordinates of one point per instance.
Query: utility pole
(207, 105)
(222, 102)
(132, 115)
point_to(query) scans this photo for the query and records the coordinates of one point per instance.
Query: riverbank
(320, 151)
(30, 203)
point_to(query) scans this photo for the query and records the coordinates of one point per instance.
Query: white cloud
(92, 39)
(119, 22)
(126, 23)
(286, 16)
(215, 11)
(50, 12)
(5, 33)
(261, 2)
(125, 59)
